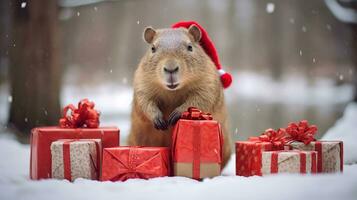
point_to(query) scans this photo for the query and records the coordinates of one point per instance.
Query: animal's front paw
(174, 117)
(160, 123)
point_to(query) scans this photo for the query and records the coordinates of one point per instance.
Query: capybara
(174, 74)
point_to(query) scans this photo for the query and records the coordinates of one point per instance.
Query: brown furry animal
(174, 74)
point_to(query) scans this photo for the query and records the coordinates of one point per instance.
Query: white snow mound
(15, 184)
(345, 129)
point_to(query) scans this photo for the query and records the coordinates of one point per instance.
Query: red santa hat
(207, 44)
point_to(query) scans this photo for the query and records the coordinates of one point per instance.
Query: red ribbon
(193, 113)
(83, 116)
(301, 132)
(276, 138)
(274, 167)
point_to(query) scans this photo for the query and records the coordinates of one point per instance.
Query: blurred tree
(4, 40)
(346, 11)
(355, 59)
(34, 68)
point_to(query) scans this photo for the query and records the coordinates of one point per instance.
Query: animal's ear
(149, 34)
(195, 32)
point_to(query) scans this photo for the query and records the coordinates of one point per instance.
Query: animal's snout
(171, 73)
(171, 70)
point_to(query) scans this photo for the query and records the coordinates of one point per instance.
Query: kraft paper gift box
(72, 159)
(302, 162)
(329, 154)
(300, 136)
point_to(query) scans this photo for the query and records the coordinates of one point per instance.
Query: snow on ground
(14, 184)
(345, 130)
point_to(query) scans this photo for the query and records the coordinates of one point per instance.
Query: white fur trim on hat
(221, 72)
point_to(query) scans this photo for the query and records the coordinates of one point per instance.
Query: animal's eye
(189, 48)
(153, 49)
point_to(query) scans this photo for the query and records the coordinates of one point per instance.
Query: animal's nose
(171, 69)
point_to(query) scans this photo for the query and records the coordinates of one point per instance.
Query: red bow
(276, 138)
(84, 116)
(193, 113)
(301, 132)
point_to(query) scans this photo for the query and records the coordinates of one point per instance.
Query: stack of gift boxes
(79, 148)
(288, 150)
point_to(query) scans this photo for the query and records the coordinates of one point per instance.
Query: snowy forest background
(290, 60)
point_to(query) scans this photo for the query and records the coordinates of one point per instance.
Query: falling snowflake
(270, 8)
(138, 22)
(9, 98)
(313, 60)
(328, 26)
(341, 77)
(78, 13)
(257, 107)
(236, 131)
(23, 4)
(300, 52)
(292, 20)
(95, 8)
(304, 29)
(111, 71)
(125, 80)
(26, 120)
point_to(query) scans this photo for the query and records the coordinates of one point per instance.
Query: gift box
(122, 163)
(249, 153)
(72, 159)
(302, 162)
(300, 136)
(81, 124)
(197, 145)
(329, 154)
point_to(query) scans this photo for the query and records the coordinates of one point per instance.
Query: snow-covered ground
(115, 108)
(15, 183)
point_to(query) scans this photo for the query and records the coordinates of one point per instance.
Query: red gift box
(122, 163)
(249, 153)
(42, 137)
(249, 157)
(197, 145)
